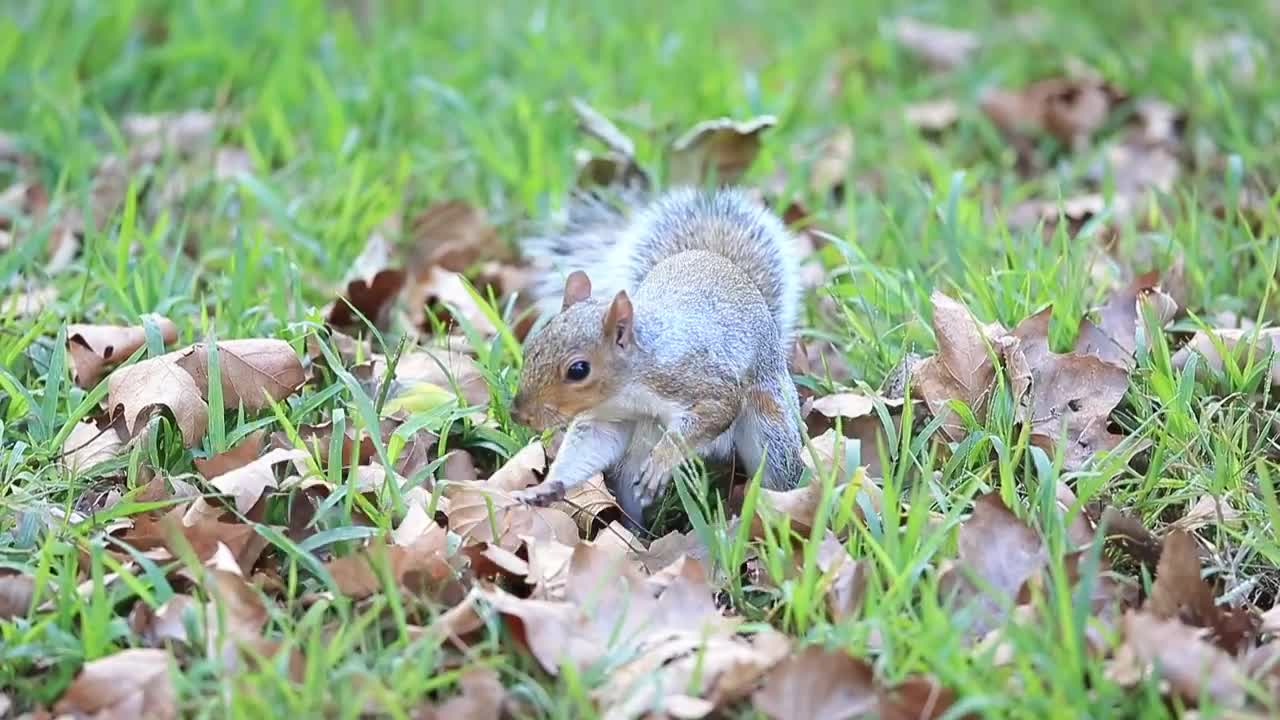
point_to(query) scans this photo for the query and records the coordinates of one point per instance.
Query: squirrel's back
(617, 245)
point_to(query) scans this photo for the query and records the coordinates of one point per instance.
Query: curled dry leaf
(720, 150)
(131, 683)
(1114, 337)
(1206, 511)
(138, 391)
(932, 116)
(16, 594)
(245, 484)
(1181, 656)
(166, 623)
(423, 566)
(617, 166)
(817, 683)
(962, 370)
(1181, 593)
(801, 504)
(832, 163)
(447, 291)
(522, 469)
(243, 453)
(94, 348)
(1070, 109)
(453, 235)
(1239, 345)
(481, 698)
(91, 443)
(28, 303)
(254, 371)
(204, 537)
(998, 553)
(1071, 396)
(482, 513)
(372, 285)
(845, 579)
(859, 420)
(590, 504)
(940, 47)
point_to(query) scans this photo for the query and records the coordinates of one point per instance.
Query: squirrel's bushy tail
(617, 242)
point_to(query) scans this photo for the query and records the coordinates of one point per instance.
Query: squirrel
(665, 330)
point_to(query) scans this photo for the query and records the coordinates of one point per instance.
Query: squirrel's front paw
(542, 494)
(662, 461)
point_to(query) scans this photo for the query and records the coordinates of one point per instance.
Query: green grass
(349, 120)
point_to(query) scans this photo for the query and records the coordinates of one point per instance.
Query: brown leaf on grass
(817, 683)
(721, 150)
(1078, 526)
(1191, 665)
(617, 166)
(252, 371)
(548, 568)
(595, 124)
(1239, 345)
(941, 48)
(1114, 337)
(185, 133)
(1130, 535)
(421, 567)
(245, 484)
(590, 505)
(453, 235)
(136, 392)
(16, 594)
(129, 684)
(932, 116)
(459, 466)
(443, 369)
(962, 370)
(1071, 109)
(243, 453)
(832, 162)
(859, 420)
(166, 623)
(1071, 396)
(668, 549)
(522, 469)
(1208, 510)
(998, 553)
(801, 505)
(483, 513)
(1180, 593)
(845, 579)
(27, 303)
(91, 443)
(918, 697)
(446, 292)
(203, 537)
(234, 615)
(94, 348)
(371, 287)
(481, 698)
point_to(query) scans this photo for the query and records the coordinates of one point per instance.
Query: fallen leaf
(481, 698)
(1079, 528)
(590, 505)
(140, 390)
(548, 568)
(962, 370)
(1114, 337)
(1208, 510)
(185, 132)
(91, 443)
(483, 513)
(939, 47)
(859, 420)
(204, 537)
(844, 578)
(129, 684)
(243, 453)
(371, 287)
(16, 594)
(94, 348)
(421, 567)
(1071, 396)
(1181, 656)
(721, 150)
(1239, 345)
(522, 469)
(446, 290)
(817, 683)
(832, 162)
(801, 505)
(932, 116)
(595, 124)
(245, 484)
(254, 372)
(166, 623)
(29, 303)
(234, 615)
(438, 368)
(998, 553)
(453, 235)
(1180, 593)
(1071, 109)
(917, 697)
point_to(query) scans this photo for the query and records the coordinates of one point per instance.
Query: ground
(1073, 514)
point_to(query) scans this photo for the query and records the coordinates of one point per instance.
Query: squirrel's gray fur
(678, 312)
(617, 239)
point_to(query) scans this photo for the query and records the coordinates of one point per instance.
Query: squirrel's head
(578, 360)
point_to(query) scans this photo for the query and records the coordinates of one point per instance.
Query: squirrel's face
(577, 361)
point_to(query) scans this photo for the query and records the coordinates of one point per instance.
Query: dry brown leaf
(94, 348)
(1070, 109)
(204, 537)
(185, 133)
(1208, 510)
(918, 697)
(372, 285)
(1114, 337)
(481, 698)
(28, 303)
(932, 116)
(477, 510)
(244, 452)
(422, 566)
(522, 469)
(962, 370)
(1071, 395)
(1239, 344)
(1079, 528)
(235, 614)
(16, 594)
(252, 371)
(446, 291)
(817, 683)
(859, 420)
(998, 553)
(166, 623)
(668, 549)
(91, 443)
(590, 504)
(833, 161)
(1181, 656)
(441, 368)
(245, 484)
(138, 391)
(940, 47)
(801, 505)
(721, 150)
(548, 568)
(596, 125)
(845, 579)
(1179, 592)
(129, 684)
(453, 235)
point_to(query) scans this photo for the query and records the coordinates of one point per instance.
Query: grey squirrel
(668, 329)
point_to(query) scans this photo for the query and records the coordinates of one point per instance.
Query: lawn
(1037, 361)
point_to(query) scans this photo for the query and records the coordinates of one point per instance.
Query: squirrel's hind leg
(768, 430)
(623, 478)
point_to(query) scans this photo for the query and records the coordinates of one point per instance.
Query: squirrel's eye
(578, 371)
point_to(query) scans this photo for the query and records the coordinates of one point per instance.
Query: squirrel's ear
(576, 288)
(617, 322)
